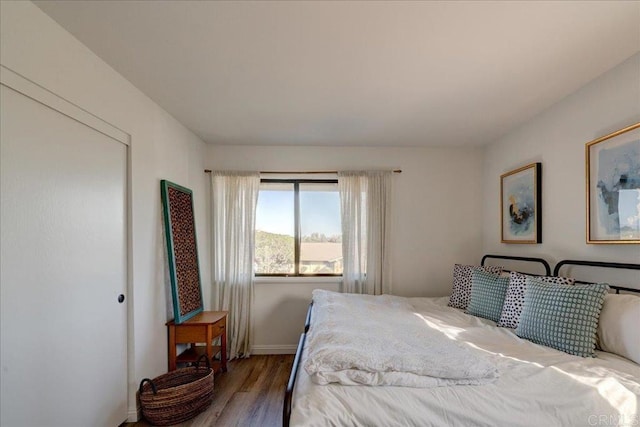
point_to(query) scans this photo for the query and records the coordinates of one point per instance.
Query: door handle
(121, 298)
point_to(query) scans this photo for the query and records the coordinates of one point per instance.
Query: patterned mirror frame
(182, 250)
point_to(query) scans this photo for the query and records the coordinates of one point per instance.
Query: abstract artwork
(520, 204)
(613, 187)
(182, 250)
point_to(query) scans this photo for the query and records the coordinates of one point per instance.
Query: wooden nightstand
(202, 328)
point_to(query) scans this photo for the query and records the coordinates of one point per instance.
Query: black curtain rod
(299, 172)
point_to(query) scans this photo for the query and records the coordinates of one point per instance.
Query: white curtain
(365, 200)
(234, 196)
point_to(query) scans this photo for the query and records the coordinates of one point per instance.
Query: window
(298, 231)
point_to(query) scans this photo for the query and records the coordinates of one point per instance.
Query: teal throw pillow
(562, 317)
(487, 295)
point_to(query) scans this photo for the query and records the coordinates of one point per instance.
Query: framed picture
(613, 187)
(521, 204)
(182, 250)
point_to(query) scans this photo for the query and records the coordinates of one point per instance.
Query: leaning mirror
(182, 250)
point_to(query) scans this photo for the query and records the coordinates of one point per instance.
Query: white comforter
(379, 340)
(538, 386)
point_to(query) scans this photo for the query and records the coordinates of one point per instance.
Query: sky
(319, 212)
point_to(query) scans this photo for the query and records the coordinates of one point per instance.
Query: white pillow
(618, 326)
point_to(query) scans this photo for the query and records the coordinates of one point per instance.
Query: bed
(536, 385)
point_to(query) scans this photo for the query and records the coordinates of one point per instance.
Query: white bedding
(538, 386)
(379, 340)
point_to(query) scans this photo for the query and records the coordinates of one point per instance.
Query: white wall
(36, 47)
(437, 202)
(557, 138)
(435, 221)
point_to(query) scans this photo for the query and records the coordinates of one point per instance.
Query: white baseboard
(274, 349)
(133, 415)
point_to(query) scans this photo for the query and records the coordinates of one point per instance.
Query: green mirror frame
(182, 250)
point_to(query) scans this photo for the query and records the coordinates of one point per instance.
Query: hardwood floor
(250, 393)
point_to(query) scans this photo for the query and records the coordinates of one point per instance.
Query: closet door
(63, 267)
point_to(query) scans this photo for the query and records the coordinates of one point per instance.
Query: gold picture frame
(521, 205)
(612, 170)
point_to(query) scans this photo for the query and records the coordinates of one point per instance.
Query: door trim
(38, 93)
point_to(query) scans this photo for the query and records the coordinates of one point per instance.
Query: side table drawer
(218, 329)
(191, 334)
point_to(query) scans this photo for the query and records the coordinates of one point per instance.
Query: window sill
(297, 279)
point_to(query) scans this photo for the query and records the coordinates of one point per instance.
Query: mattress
(538, 386)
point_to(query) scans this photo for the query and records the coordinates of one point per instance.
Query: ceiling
(354, 73)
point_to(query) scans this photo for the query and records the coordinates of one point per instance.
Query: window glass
(321, 233)
(275, 229)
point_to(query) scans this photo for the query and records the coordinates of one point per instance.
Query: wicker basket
(177, 396)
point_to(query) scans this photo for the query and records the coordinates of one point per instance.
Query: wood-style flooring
(250, 393)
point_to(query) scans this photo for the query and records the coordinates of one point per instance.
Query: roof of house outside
(320, 251)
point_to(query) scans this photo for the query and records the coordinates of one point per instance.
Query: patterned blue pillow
(461, 293)
(562, 317)
(487, 295)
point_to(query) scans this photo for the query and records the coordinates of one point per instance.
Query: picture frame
(182, 250)
(612, 164)
(521, 205)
